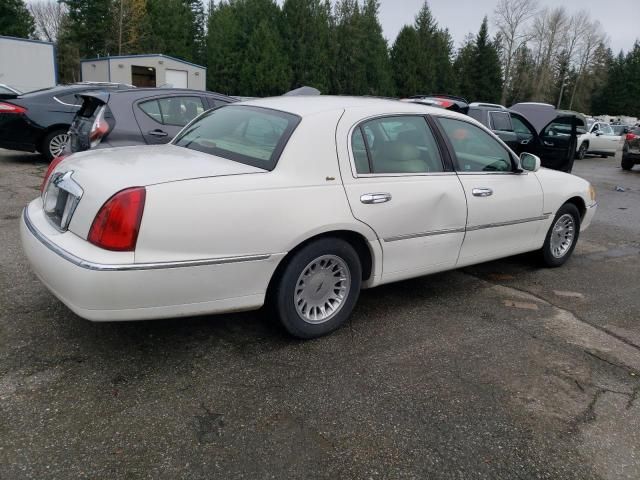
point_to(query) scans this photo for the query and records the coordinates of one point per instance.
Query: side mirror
(530, 162)
(598, 133)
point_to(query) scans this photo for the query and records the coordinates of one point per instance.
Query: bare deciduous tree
(594, 37)
(48, 16)
(549, 34)
(511, 17)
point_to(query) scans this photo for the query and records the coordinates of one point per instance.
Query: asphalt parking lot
(500, 371)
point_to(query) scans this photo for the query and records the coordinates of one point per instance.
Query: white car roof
(305, 106)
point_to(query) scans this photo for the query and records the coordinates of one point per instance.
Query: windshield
(252, 135)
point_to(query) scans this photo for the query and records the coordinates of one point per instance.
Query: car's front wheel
(318, 288)
(582, 151)
(54, 143)
(562, 236)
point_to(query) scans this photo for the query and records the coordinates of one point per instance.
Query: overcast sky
(620, 18)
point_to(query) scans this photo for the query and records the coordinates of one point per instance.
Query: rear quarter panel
(258, 213)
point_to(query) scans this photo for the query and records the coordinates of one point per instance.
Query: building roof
(6, 37)
(150, 55)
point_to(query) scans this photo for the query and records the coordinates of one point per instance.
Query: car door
(500, 123)
(399, 182)
(161, 118)
(610, 142)
(558, 144)
(504, 205)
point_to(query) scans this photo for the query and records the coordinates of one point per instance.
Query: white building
(27, 64)
(152, 70)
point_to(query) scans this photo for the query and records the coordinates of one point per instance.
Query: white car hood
(102, 173)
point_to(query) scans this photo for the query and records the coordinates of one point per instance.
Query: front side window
(475, 149)
(252, 135)
(520, 127)
(560, 127)
(399, 144)
(606, 130)
(501, 121)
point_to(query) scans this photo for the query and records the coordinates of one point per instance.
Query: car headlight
(592, 193)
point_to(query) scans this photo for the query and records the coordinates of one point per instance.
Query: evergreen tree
(245, 49)
(487, 71)
(308, 36)
(90, 26)
(176, 28)
(463, 68)
(350, 75)
(404, 55)
(422, 57)
(377, 64)
(16, 20)
(223, 49)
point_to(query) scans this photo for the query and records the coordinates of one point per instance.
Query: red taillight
(631, 136)
(54, 163)
(99, 129)
(444, 103)
(11, 108)
(117, 224)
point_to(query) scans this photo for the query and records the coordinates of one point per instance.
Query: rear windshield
(252, 135)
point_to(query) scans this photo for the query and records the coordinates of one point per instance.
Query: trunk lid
(94, 105)
(102, 173)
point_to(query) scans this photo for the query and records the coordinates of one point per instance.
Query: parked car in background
(535, 128)
(137, 116)
(8, 92)
(440, 100)
(620, 129)
(39, 120)
(631, 149)
(296, 201)
(600, 139)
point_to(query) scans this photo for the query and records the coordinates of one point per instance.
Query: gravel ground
(504, 370)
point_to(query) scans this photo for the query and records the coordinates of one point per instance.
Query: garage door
(176, 78)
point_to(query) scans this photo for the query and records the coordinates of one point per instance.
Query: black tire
(582, 151)
(284, 291)
(548, 257)
(46, 146)
(627, 162)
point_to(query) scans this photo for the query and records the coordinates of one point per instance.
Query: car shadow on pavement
(21, 158)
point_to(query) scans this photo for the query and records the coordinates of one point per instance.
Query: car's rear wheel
(582, 151)
(627, 162)
(562, 236)
(318, 288)
(54, 143)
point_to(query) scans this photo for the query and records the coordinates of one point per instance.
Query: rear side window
(177, 111)
(475, 149)
(252, 135)
(500, 121)
(399, 144)
(69, 99)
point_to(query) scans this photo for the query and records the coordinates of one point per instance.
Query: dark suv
(39, 120)
(536, 128)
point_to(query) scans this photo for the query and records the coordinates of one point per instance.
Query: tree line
(260, 48)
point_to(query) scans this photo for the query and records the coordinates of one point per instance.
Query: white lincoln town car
(298, 202)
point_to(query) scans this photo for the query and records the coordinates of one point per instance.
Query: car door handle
(375, 198)
(158, 133)
(548, 144)
(482, 192)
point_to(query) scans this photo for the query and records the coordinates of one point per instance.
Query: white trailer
(27, 64)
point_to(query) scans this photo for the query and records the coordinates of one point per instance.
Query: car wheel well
(51, 128)
(580, 205)
(356, 240)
